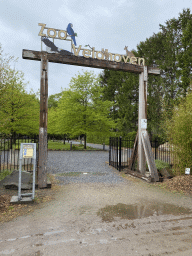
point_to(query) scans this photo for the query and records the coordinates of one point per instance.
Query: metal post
(33, 190)
(103, 146)
(19, 185)
(110, 151)
(119, 153)
(42, 173)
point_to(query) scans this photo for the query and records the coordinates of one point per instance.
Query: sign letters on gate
(87, 53)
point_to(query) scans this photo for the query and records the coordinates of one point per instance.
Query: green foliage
(121, 88)
(131, 136)
(53, 100)
(81, 109)
(19, 111)
(179, 133)
(98, 139)
(170, 50)
(161, 165)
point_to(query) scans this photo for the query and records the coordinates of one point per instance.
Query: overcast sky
(108, 24)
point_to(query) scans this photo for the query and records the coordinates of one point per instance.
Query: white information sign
(143, 123)
(187, 170)
(27, 151)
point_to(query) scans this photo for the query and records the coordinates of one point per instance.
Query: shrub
(179, 133)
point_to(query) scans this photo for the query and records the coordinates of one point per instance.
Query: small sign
(143, 123)
(27, 151)
(187, 171)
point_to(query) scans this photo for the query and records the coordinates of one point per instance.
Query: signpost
(27, 150)
(95, 59)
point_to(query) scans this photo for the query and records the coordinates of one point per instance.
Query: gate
(9, 152)
(121, 153)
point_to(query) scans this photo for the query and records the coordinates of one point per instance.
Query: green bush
(161, 165)
(179, 133)
(97, 139)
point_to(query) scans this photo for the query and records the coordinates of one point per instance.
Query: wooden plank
(87, 62)
(149, 156)
(141, 115)
(138, 175)
(154, 71)
(42, 172)
(134, 154)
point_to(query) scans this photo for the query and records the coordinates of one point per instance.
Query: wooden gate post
(142, 115)
(42, 174)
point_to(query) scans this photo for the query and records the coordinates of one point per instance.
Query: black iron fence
(120, 151)
(9, 152)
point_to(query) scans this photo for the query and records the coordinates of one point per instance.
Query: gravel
(82, 167)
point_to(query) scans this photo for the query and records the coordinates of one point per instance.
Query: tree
(179, 134)
(122, 89)
(19, 111)
(170, 50)
(53, 100)
(81, 109)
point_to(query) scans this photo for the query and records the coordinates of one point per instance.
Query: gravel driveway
(82, 166)
(100, 214)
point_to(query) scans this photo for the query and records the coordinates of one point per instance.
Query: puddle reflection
(138, 211)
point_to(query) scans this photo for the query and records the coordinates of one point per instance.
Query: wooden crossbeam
(87, 62)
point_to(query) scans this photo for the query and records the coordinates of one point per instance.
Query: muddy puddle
(138, 211)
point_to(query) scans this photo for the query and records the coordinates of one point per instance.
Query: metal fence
(120, 151)
(9, 152)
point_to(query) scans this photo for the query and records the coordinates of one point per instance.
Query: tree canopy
(81, 109)
(171, 51)
(19, 111)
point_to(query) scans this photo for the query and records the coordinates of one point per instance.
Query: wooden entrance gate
(142, 145)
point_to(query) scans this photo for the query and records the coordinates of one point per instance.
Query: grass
(52, 145)
(15, 146)
(57, 145)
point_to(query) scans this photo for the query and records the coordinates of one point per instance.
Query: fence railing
(9, 152)
(120, 151)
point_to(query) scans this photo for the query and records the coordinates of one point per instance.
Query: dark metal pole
(120, 153)
(110, 151)
(42, 172)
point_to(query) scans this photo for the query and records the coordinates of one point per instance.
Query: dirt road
(127, 218)
(83, 220)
